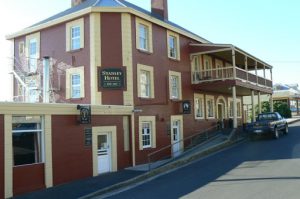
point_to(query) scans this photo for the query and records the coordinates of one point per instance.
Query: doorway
(176, 151)
(104, 153)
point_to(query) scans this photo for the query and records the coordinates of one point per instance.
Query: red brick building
(137, 71)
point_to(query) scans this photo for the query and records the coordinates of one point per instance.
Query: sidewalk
(91, 187)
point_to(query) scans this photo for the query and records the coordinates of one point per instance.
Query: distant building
(149, 82)
(288, 93)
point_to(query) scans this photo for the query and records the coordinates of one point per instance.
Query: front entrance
(104, 153)
(176, 138)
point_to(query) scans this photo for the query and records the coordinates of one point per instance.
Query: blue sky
(267, 29)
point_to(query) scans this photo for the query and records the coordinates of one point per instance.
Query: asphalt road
(265, 168)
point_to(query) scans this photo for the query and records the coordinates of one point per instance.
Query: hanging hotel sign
(85, 114)
(112, 78)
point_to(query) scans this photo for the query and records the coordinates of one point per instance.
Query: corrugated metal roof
(110, 3)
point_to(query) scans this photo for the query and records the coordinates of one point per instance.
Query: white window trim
(149, 69)
(35, 36)
(152, 120)
(238, 101)
(178, 75)
(207, 98)
(176, 36)
(147, 24)
(69, 72)
(76, 85)
(199, 96)
(69, 26)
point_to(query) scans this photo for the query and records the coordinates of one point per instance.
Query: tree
(265, 107)
(283, 109)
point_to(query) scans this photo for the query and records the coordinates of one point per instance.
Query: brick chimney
(76, 2)
(160, 8)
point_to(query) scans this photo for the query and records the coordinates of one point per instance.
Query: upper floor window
(145, 81)
(207, 67)
(144, 35)
(75, 38)
(75, 35)
(173, 45)
(75, 85)
(32, 55)
(32, 51)
(145, 84)
(175, 85)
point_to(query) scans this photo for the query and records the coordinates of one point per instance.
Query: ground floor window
(27, 139)
(210, 106)
(199, 106)
(146, 134)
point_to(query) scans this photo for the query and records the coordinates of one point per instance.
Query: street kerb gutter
(163, 169)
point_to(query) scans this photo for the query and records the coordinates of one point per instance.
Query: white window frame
(145, 82)
(75, 87)
(148, 47)
(175, 93)
(69, 72)
(210, 98)
(173, 45)
(199, 104)
(150, 70)
(75, 39)
(147, 134)
(33, 55)
(41, 138)
(79, 23)
(151, 120)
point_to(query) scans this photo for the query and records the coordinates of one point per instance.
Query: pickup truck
(269, 123)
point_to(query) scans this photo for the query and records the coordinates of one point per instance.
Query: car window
(270, 116)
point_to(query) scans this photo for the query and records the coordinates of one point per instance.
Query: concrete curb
(163, 169)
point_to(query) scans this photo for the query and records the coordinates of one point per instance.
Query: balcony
(226, 73)
(218, 67)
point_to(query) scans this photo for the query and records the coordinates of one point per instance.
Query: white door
(176, 139)
(104, 153)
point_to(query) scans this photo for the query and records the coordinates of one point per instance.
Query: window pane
(26, 137)
(172, 46)
(146, 134)
(75, 38)
(174, 87)
(32, 55)
(143, 37)
(145, 83)
(75, 85)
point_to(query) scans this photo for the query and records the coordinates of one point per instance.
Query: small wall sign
(112, 78)
(88, 137)
(85, 114)
(186, 107)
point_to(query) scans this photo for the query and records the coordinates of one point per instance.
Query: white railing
(226, 73)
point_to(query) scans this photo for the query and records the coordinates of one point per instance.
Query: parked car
(269, 123)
